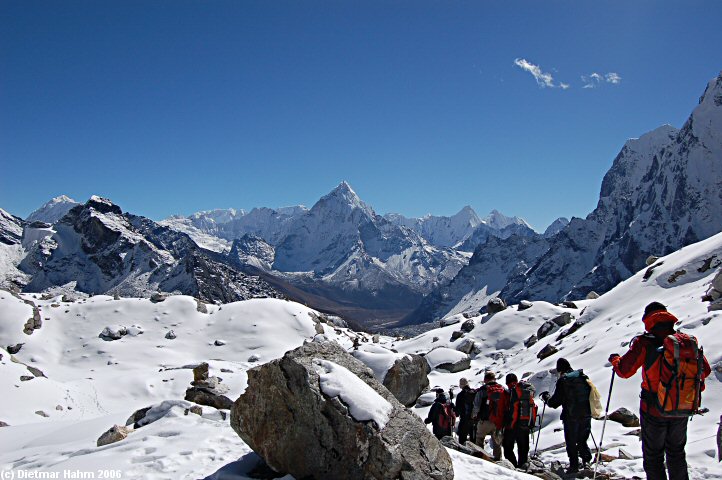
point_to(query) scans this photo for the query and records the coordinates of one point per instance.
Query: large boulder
(320, 413)
(495, 305)
(408, 378)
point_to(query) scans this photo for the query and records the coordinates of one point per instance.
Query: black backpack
(576, 394)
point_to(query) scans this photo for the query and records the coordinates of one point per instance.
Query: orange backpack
(680, 379)
(524, 408)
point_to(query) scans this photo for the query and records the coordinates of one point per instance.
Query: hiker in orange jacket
(661, 434)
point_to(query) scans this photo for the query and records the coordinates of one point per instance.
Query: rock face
(287, 419)
(408, 378)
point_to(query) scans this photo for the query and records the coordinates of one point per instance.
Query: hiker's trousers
(576, 436)
(520, 437)
(664, 437)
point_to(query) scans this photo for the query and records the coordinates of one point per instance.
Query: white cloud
(613, 78)
(593, 80)
(543, 79)
(563, 86)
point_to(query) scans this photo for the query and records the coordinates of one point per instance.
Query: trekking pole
(541, 419)
(595, 442)
(604, 425)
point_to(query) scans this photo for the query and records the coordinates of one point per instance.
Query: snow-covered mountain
(663, 191)
(11, 250)
(556, 226)
(96, 248)
(53, 210)
(439, 230)
(65, 385)
(464, 230)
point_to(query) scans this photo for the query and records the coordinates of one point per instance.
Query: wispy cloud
(546, 79)
(595, 79)
(543, 79)
(613, 78)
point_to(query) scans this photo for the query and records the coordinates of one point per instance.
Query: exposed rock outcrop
(408, 378)
(290, 403)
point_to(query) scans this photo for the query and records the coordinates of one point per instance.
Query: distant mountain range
(663, 191)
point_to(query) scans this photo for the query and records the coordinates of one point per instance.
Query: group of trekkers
(673, 371)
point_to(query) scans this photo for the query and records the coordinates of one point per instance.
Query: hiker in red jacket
(664, 423)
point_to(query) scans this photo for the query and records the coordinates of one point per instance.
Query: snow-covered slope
(604, 326)
(556, 226)
(53, 210)
(89, 383)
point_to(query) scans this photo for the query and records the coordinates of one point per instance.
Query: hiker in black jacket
(464, 408)
(435, 415)
(572, 394)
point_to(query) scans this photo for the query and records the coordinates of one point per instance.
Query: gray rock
(505, 463)
(114, 434)
(651, 260)
(200, 373)
(13, 349)
(170, 335)
(137, 416)
(286, 392)
(458, 366)
(318, 327)
(3, 424)
(547, 351)
(563, 319)
(157, 297)
(41, 413)
(524, 305)
(469, 448)
(495, 305)
(35, 371)
(625, 455)
(546, 328)
(625, 417)
(467, 346)
(456, 335)
(592, 295)
(408, 378)
(219, 343)
(569, 304)
(531, 341)
(467, 326)
(202, 396)
(25, 378)
(201, 306)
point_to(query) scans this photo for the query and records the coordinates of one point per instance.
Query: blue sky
(174, 106)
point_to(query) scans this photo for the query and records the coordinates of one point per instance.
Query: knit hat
(563, 365)
(463, 382)
(657, 318)
(654, 307)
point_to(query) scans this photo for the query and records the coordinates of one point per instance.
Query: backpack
(680, 380)
(524, 408)
(577, 394)
(496, 396)
(447, 417)
(595, 401)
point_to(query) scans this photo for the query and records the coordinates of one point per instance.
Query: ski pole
(604, 425)
(541, 419)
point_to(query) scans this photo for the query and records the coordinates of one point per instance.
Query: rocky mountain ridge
(663, 191)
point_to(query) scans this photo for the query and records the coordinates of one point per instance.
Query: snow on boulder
(349, 426)
(405, 376)
(454, 319)
(448, 359)
(363, 402)
(113, 332)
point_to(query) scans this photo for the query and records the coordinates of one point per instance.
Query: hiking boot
(571, 471)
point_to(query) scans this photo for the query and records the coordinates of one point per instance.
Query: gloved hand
(427, 420)
(612, 357)
(545, 396)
